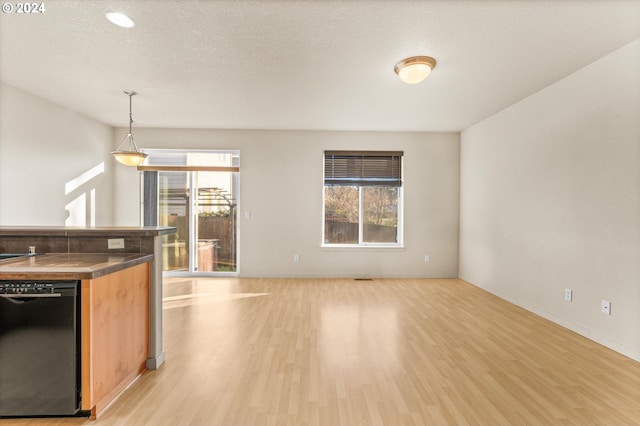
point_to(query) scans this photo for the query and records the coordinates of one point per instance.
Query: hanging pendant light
(132, 157)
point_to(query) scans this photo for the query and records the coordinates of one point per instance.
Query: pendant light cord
(130, 114)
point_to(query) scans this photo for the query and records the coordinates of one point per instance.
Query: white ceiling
(304, 64)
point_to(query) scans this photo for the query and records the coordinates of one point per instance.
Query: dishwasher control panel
(26, 287)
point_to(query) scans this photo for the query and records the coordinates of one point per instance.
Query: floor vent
(363, 279)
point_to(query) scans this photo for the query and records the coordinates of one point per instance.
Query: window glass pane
(173, 205)
(216, 225)
(380, 214)
(341, 214)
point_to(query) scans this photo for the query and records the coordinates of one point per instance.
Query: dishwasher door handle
(23, 298)
(28, 295)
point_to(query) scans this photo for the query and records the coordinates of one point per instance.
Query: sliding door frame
(150, 188)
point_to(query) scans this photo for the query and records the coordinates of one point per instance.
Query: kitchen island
(114, 316)
(120, 287)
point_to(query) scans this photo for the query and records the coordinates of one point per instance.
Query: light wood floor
(382, 352)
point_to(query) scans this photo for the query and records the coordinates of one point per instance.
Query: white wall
(550, 199)
(54, 164)
(281, 185)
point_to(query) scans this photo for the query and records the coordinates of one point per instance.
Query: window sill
(360, 247)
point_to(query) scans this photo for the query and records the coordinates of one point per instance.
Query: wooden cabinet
(114, 334)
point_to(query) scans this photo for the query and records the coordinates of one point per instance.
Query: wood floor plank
(381, 352)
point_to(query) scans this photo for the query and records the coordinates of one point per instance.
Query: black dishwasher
(39, 348)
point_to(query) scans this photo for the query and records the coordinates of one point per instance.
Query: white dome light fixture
(120, 19)
(414, 69)
(131, 156)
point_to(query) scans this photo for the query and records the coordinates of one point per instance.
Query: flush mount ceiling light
(120, 19)
(415, 69)
(132, 157)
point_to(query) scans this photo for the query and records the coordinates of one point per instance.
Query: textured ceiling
(305, 64)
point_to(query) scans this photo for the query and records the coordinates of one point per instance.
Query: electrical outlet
(426, 258)
(568, 294)
(605, 307)
(115, 243)
(296, 258)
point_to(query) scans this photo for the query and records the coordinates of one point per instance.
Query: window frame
(362, 244)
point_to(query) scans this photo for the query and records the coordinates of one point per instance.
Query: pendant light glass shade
(131, 156)
(414, 69)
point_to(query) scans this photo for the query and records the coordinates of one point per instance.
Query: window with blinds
(363, 168)
(362, 198)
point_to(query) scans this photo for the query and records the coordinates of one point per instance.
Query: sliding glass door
(201, 202)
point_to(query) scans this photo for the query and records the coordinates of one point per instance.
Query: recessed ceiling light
(120, 19)
(414, 69)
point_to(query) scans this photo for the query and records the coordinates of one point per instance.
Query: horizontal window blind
(363, 168)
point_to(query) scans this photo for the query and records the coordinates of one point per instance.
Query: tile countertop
(86, 231)
(68, 266)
